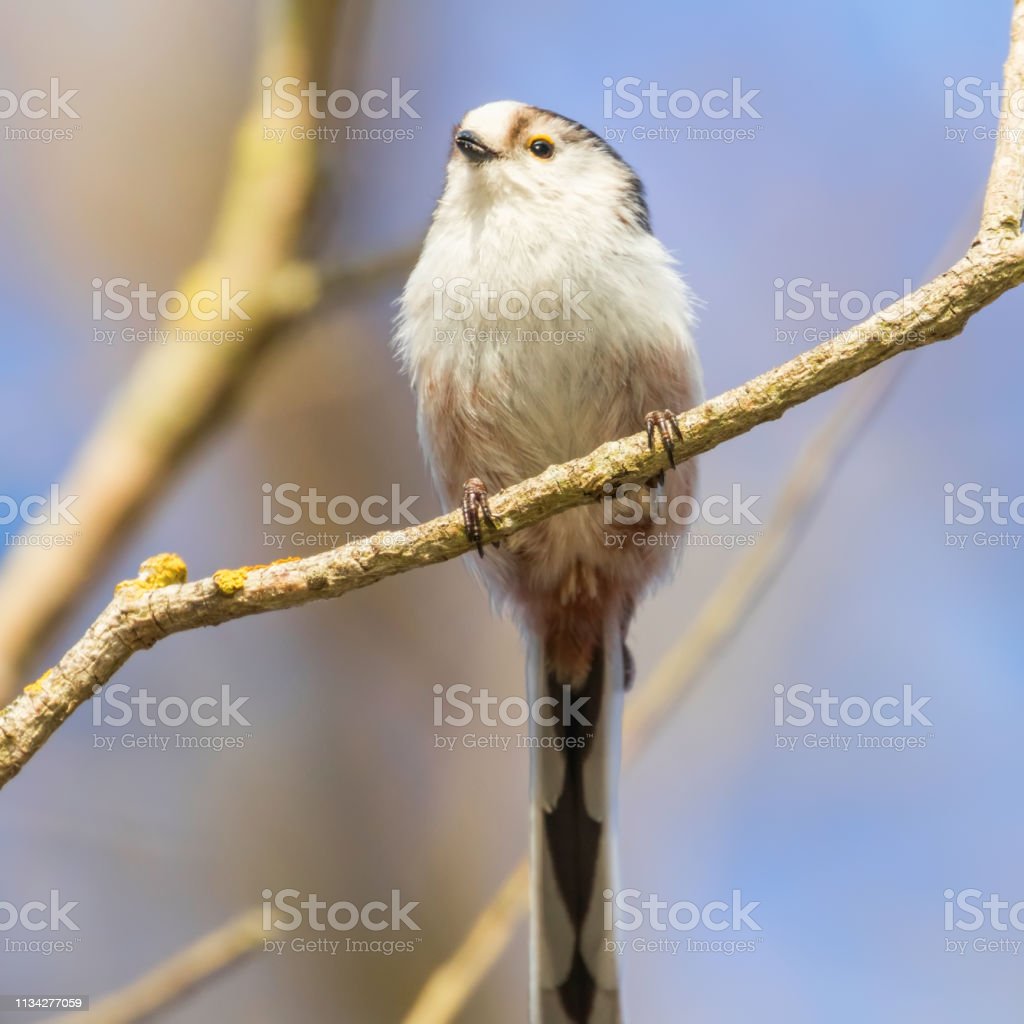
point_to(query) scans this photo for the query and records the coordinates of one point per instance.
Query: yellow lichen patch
(37, 686)
(158, 571)
(230, 581)
(162, 571)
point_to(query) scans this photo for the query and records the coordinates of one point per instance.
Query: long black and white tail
(574, 767)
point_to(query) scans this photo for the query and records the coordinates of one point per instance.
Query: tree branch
(1004, 196)
(159, 602)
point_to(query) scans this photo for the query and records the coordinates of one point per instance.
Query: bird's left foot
(666, 426)
(475, 512)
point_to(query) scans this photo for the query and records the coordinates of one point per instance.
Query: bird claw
(475, 512)
(665, 425)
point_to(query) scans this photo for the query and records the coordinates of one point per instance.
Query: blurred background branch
(179, 975)
(177, 395)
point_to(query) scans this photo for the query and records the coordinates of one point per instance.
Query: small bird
(542, 319)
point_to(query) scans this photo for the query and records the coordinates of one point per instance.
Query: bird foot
(665, 426)
(475, 512)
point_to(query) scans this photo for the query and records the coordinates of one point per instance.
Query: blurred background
(852, 176)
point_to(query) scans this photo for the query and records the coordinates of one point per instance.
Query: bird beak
(472, 147)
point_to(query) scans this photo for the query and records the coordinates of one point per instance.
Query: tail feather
(574, 774)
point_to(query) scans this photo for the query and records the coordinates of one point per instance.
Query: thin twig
(450, 985)
(179, 975)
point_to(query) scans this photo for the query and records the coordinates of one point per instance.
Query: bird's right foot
(475, 512)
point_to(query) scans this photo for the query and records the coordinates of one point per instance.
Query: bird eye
(541, 146)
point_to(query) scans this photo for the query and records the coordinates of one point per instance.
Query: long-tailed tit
(542, 319)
